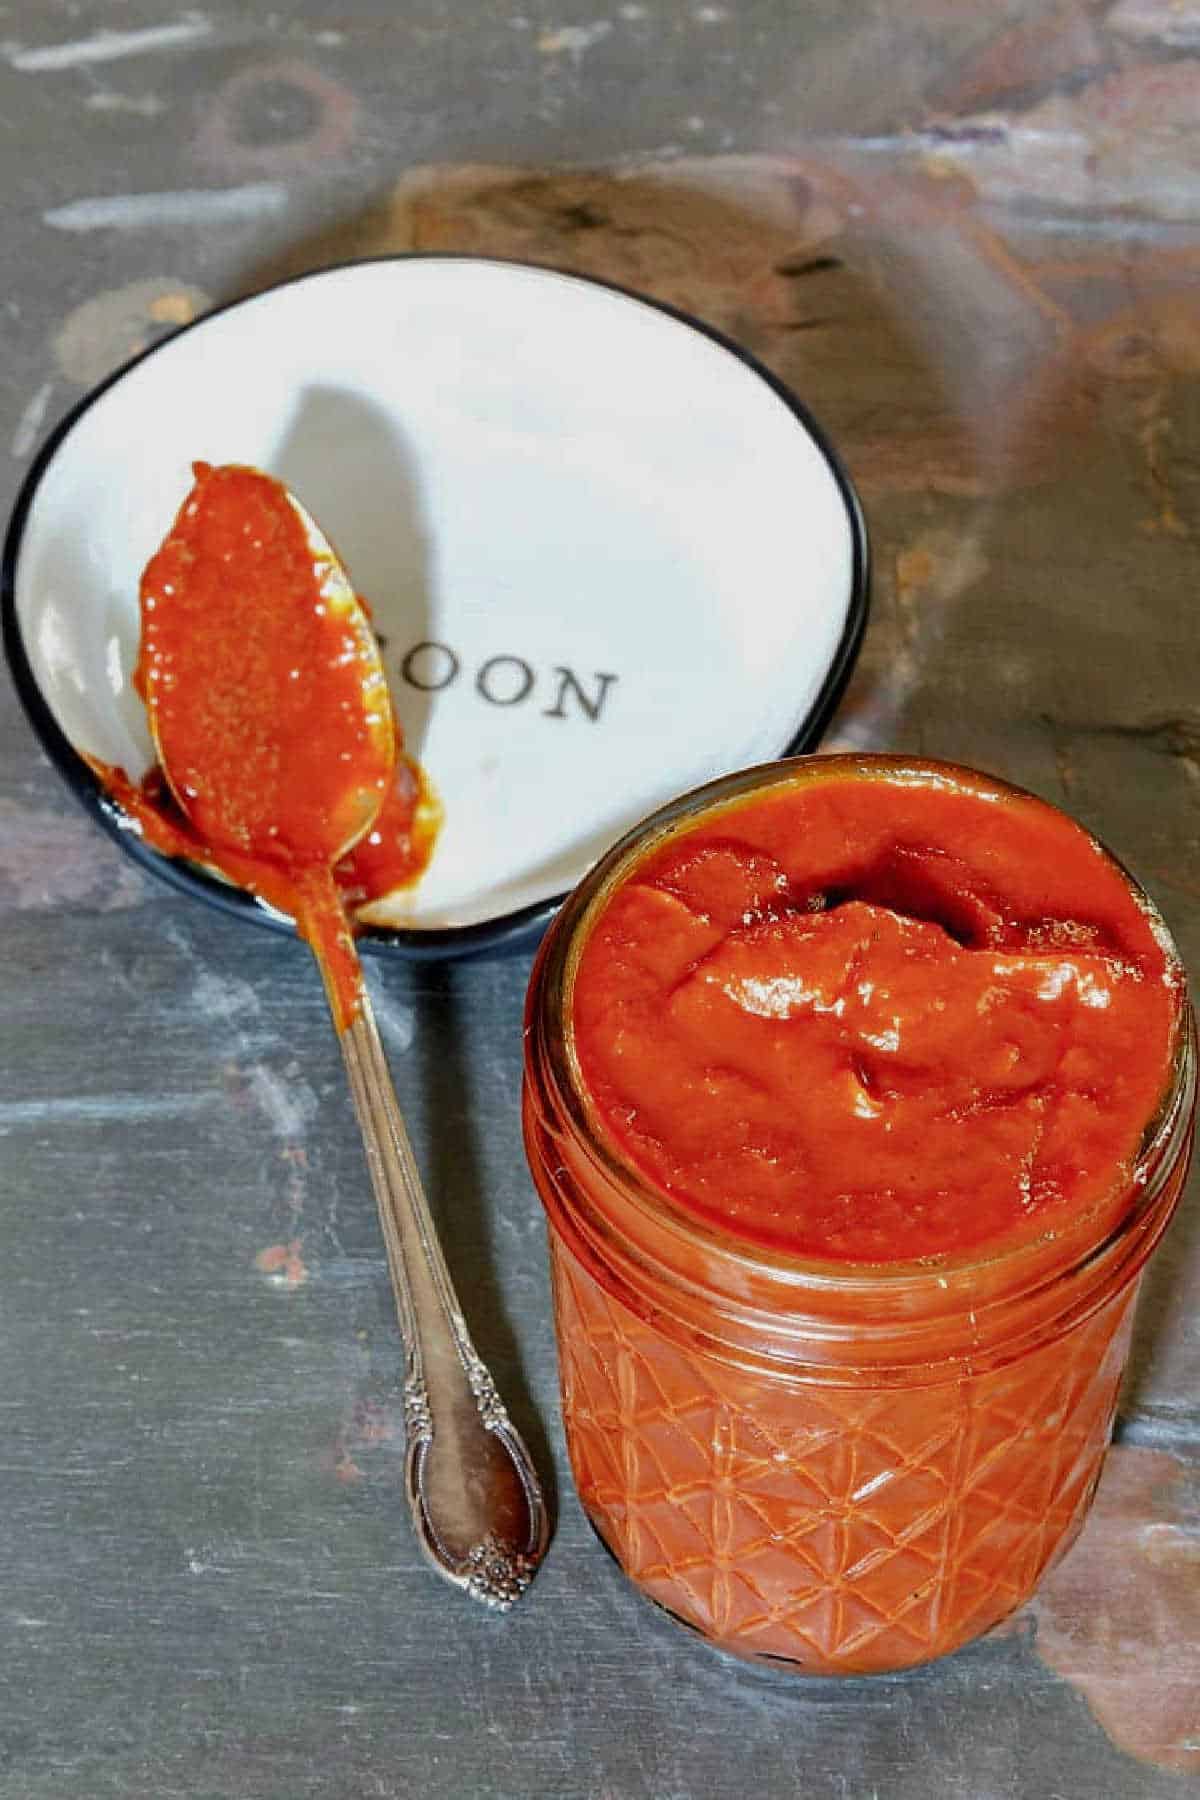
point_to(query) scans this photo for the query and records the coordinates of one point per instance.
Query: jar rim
(1085, 1239)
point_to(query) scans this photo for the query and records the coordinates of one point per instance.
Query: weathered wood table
(970, 237)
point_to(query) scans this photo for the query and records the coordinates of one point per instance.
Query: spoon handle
(476, 1503)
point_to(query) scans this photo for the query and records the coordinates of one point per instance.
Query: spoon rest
(607, 555)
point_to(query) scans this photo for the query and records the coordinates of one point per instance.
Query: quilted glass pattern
(846, 1530)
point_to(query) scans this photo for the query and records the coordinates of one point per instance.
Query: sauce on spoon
(277, 747)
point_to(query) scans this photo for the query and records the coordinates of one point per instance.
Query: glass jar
(844, 1468)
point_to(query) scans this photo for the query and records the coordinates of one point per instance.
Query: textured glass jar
(844, 1468)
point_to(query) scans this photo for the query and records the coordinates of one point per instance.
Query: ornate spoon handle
(477, 1506)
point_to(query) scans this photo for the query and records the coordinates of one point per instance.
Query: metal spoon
(477, 1506)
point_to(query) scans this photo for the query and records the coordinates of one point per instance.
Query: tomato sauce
(876, 1019)
(857, 1093)
(269, 711)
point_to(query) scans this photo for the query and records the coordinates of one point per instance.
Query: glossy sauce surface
(876, 1018)
(266, 701)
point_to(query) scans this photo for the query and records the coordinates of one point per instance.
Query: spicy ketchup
(257, 682)
(858, 1089)
(876, 1018)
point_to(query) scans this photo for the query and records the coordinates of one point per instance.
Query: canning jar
(844, 1465)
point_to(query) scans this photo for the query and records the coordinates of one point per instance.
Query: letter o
(524, 678)
(408, 667)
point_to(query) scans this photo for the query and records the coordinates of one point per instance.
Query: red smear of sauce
(269, 710)
(399, 844)
(876, 1019)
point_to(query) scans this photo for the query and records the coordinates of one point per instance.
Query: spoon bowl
(359, 803)
(262, 680)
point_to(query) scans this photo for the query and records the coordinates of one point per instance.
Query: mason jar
(842, 1466)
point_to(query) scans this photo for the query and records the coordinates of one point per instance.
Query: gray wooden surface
(969, 236)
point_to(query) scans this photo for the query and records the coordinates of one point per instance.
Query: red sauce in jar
(857, 1092)
(876, 1019)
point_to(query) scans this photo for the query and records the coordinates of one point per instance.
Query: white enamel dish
(609, 557)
